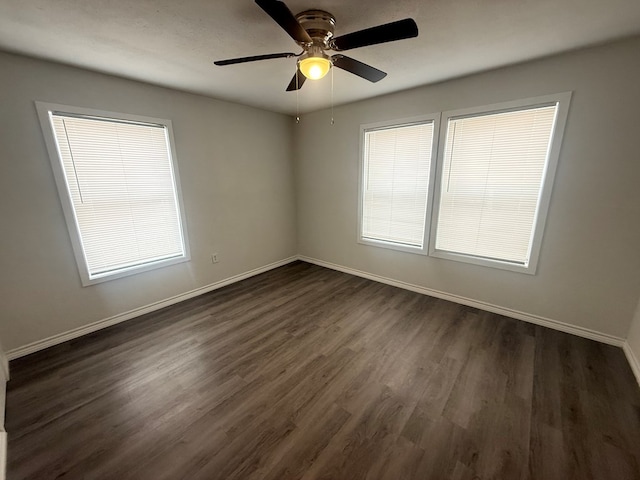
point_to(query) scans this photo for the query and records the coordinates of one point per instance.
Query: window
(118, 184)
(395, 183)
(490, 189)
(496, 166)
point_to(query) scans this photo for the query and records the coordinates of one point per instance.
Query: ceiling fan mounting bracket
(320, 26)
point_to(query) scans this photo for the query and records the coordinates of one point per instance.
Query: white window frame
(389, 124)
(562, 100)
(44, 113)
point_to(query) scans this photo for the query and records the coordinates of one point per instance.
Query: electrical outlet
(214, 258)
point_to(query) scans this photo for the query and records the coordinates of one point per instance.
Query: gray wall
(589, 268)
(237, 183)
(236, 165)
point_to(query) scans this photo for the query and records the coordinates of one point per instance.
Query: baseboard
(107, 322)
(3, 455)
(4, 366)
(4, 376)
(527, 317)
(507, 312)
(633, 360)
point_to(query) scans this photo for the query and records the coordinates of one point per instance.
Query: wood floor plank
(307, 373)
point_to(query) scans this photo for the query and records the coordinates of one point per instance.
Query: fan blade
(296, 86)
(233, 61)
(283, 17)
(389, 32)
(358, 68)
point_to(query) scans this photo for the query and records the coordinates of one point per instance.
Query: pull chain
(297, 98)
(332, 120)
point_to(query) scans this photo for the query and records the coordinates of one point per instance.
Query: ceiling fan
(313, 31)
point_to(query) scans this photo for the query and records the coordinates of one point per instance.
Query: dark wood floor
(306, 373)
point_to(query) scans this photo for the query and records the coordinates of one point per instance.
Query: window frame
(390, 124)
(557, 132)
(45, 110)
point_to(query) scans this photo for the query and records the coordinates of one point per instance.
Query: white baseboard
(136, 312)
(633, 360)
(4, 366)
(3, 455)
(527, 317)
(507, 312)
(4, 376)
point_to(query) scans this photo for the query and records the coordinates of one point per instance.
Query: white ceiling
(173, 43)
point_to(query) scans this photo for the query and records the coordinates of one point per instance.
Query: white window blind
(395, 183)
(121, 185)
(491, 179)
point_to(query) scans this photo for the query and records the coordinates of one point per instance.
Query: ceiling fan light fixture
(314, 65)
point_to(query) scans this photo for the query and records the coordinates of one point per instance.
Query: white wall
(237, 183)
(589, 269)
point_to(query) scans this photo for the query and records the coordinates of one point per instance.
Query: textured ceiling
(173, 44)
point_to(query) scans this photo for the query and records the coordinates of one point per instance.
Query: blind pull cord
(73, 162)
(451, 157)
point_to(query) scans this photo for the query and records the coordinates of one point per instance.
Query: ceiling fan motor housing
(319, 25)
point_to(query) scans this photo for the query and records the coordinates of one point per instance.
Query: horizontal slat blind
(491, 181)
(397, 162)
(121, 184)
